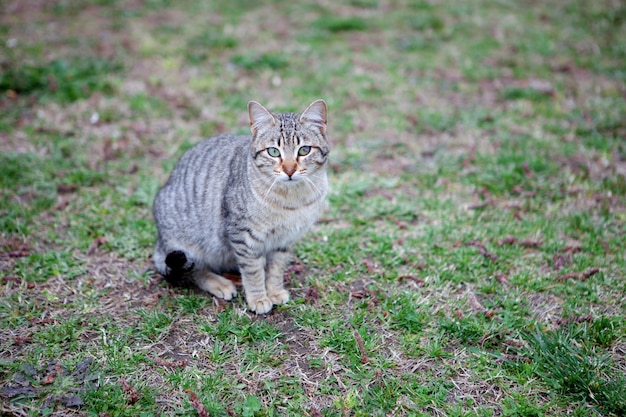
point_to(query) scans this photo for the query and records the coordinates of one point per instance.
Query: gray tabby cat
(240, 203)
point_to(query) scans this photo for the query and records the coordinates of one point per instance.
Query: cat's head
(289, 147)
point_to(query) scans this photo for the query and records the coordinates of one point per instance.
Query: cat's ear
(315, 114)
(259, 117)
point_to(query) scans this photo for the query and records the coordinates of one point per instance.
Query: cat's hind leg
(179, 268)
(215, 284)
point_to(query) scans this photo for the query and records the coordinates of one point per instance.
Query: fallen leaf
(296, 268)
(589, 273)
(527, 171)
(17, 254)
(574, 319)
(20, 340)
(530, 243)
(311, 295)
(559, 260)
(369, 265)
(572, 247)
(524, 193)
(99, 241)
(197, 404)
(481, 205)
(579, 275)
(48, 379)
(399, 223)
(66, 188)
(509, 240)
(170, 364)
(372, 295)
(314, 412)
(132, 395)
(567, 276)
(52, 83)
(513, 343)
(474, 303)
(151, 300)
(63, 203)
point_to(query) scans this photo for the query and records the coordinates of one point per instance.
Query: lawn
(471, 258)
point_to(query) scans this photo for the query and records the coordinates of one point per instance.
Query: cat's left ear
(259, 116)
(315, 114)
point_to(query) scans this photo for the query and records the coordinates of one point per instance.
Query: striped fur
(242, 202)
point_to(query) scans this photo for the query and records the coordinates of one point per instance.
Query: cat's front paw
(262, 305)
(279, 297)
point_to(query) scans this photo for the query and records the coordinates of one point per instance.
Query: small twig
(170, 364)
(359, 342)
(483, 250)
(579, 275)
(589, 273)
(420, 282)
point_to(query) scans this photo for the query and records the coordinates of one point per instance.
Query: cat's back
(211, 155)
(206, 168)
(208, 163)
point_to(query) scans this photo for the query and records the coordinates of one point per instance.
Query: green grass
(568, 360)
(470, 261)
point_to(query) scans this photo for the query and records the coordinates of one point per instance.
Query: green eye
(303, 151)
(273, 152)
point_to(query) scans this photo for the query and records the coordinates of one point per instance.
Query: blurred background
(478, 178)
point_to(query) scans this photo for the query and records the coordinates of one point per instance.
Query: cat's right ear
(315, 114)
(259, 117)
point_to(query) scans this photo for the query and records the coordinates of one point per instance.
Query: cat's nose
(289, 169)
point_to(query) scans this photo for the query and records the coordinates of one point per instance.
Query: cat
(242, 202)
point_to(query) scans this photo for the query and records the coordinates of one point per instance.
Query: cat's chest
(284, 227)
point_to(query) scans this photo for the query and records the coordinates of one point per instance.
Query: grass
(470, 261)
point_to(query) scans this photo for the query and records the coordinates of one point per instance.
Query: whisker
(313, 184)
(263, 180)
(267, 193)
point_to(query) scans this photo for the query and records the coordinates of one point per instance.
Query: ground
(471, 258)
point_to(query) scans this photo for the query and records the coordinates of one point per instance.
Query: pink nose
(289, 170)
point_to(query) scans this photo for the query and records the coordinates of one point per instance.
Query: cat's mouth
(295, 177)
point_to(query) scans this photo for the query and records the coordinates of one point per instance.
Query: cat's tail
(175, 266)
